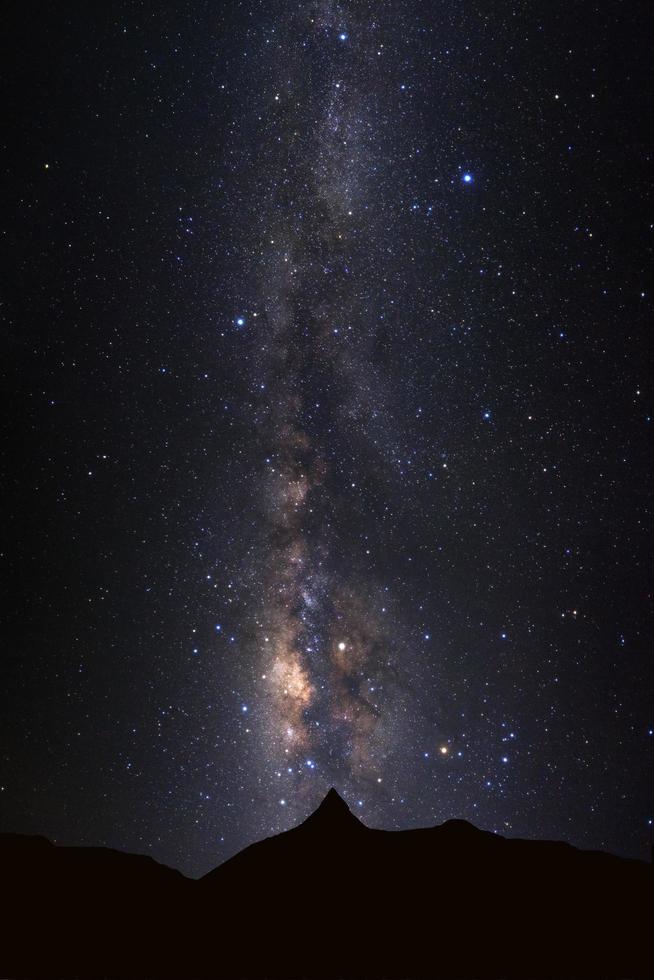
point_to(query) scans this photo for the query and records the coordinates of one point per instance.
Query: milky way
(329, 666)
(329, 421)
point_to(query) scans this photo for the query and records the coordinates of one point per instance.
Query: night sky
(329, 400)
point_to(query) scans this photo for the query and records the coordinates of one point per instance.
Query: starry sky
(327, 421)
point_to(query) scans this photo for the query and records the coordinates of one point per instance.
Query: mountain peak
(334, 799)
(332, 814)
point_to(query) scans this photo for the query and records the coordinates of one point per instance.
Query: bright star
(467, 178)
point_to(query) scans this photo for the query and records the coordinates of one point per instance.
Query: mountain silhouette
(330, 898)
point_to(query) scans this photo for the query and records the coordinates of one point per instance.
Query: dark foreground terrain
(330, 898)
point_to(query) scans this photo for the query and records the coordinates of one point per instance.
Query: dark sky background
(328, 420)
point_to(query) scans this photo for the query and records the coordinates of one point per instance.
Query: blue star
(240, 321)
(342, 36)
(467, 178)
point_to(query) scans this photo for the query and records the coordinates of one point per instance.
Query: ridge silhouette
(330, 898)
